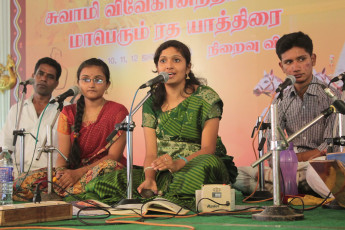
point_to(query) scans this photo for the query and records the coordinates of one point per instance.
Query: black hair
(159, 94)
(296, 39)
(51, 62)
(95, 62)
(74, 159)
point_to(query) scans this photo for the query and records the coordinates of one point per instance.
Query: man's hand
(309, 155)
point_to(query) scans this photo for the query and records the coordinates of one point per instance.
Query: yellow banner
(232, 44)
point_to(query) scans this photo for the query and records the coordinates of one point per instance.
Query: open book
(89, 208)
(157, 205)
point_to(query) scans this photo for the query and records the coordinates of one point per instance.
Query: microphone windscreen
(165, 76)
(31, 81)
(292, 78)
(75, 89)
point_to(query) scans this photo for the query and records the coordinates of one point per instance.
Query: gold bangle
(147, 168)
(60, 168)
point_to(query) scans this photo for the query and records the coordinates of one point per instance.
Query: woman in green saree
(183, 150)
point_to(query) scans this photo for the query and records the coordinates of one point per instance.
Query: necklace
(91, 117)
(168, 108)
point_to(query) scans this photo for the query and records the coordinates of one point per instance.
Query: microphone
(336, 140)
(289, 80)
(162, 77)
(73, 91)
(30, 81)
(338, 104)
(339, 77)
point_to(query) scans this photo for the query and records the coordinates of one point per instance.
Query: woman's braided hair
(74, 159)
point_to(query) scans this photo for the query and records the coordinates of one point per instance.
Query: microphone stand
(277, 212)
(20, 132)
(340, 117)
(262, 193)
(40, 150)
(48, 147)
(128, 125)
(60, 107)
(334, 204)
(323, 114)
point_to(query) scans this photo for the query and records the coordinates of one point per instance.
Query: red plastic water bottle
(288, 167)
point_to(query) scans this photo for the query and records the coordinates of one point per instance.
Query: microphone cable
(33, 154)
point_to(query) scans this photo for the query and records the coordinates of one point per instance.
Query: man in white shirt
(34, 118)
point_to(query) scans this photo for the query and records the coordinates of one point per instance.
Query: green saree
(178, 133)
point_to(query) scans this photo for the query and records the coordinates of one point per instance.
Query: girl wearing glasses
(83, 129)
(82, 132)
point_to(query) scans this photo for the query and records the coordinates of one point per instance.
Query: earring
(106, 91)
(187, 77)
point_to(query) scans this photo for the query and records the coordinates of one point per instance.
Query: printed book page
(78, 205)
(127, 209)
(164, 206)
(156, 205)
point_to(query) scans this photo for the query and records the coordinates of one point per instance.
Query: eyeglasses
(95, 80)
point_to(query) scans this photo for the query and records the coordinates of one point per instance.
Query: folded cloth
(308, 200)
